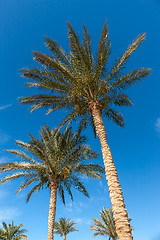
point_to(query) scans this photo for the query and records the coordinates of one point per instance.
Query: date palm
(106, 227)
(12, 232)
(56, 161)
(64, 226)
(85, 85)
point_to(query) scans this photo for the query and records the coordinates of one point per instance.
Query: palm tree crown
(56, 156)
(12, 232)
(106, 227)
(64, 226)
(74, 80)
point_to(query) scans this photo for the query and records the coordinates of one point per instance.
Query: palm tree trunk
(64, 237)
(120, 215)
(52, 208)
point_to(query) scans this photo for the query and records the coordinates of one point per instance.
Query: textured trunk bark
(64, 237)
(120, 215)
(52, 209)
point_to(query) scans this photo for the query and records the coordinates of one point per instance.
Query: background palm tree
(86, 86)
(11, 232)
(57, 161)
(106, 227)
(64, 226)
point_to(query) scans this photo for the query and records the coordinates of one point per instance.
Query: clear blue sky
(136, 148)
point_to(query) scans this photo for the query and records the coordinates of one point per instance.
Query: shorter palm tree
(12, 232)
(64, 226)
(106, 227)
(56, 162)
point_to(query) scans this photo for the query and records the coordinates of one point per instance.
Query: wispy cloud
(78, 220)
(4, 159)
(69, 207)
(4, 137)
(5, 106)
(157, 125)
(9, 213)
(3, 194)
(76, 206)
(83, 220)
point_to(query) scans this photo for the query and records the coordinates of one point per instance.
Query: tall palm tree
(106, 227)
(56, 161)
(12, 232)
(86, 86)
(64, 226)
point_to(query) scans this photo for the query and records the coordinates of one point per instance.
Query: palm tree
(106, 227)
(64, 226)
(56, 161)
(12, 232)
(86, 86)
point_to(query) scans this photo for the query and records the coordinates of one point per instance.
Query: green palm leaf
(64, 226)
(12, 232)
(106, 227)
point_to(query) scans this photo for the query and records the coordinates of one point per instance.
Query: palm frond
(28, 181)
(90, 170)
(21, 154)
(57, 51)
(87, 48)
(54, 65)
(67, 185)
(114, 115)
(13, 176)
(119, 64)
(75, 47)
(79, 186)
(121, 100)
(43, 101)
(126, 80)
(61, 193)
(36, 188)
(106, 227)
(102, 53)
